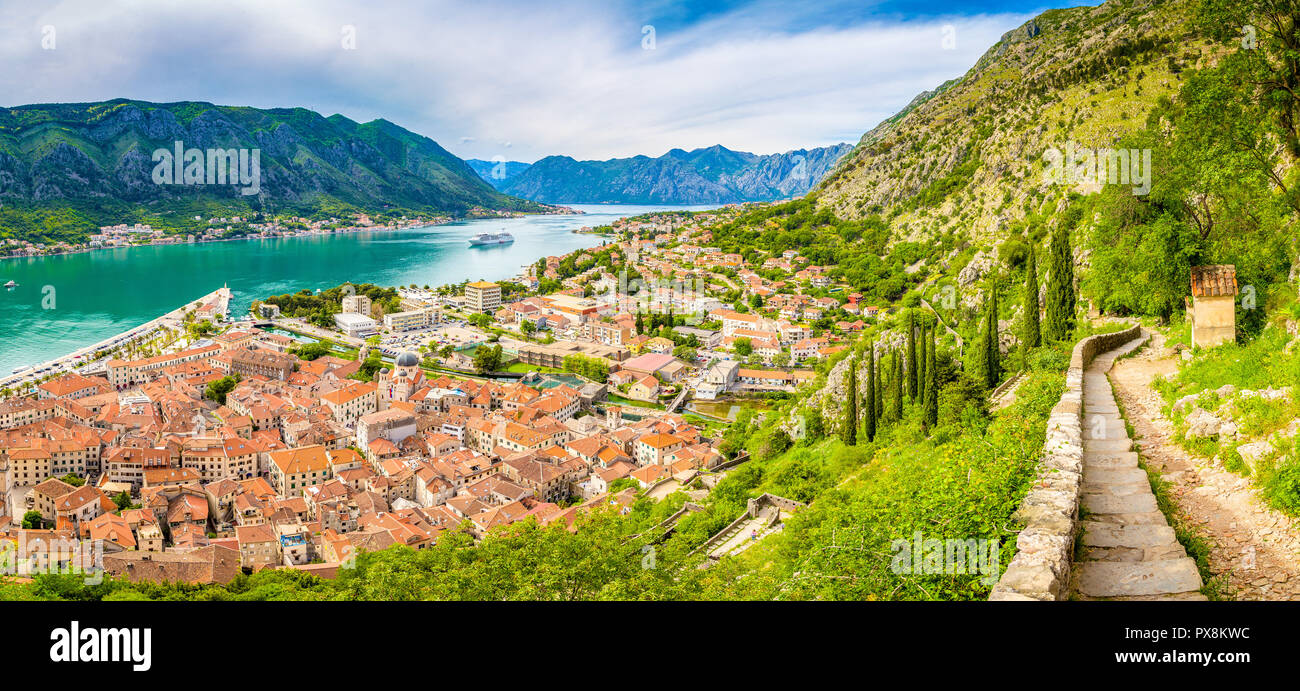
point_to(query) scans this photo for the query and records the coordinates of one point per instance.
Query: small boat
(11, 284)
(24, 368)
(502, 238)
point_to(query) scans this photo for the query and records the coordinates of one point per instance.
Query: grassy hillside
(968, 156)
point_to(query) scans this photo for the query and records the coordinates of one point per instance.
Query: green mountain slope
(969, 156)
(95, 160)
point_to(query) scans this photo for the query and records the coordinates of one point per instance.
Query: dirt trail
(1257, 548)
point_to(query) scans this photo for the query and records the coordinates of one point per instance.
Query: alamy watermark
(211, 167)
(1082, 165)
(682, 297)
(36, 556)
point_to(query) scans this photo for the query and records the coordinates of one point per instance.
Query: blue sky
(519, 80)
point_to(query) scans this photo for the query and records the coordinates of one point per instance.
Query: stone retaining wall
(1050, 511)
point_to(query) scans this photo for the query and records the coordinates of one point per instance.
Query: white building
(356, 325)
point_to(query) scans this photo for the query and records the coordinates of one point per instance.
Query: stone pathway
(1129, 552)
(1255, 548)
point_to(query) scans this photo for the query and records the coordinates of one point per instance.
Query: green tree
(217, 390)
(911, 356)
(850, 433)
(932, 388)
(487, 359)
(310, 351)
(869, 398)
(743, 346)
(879, 388)
(920, 365)
(993, 349)
(1059, 324)
(33, 520)
(1030, 336)
(897, 383)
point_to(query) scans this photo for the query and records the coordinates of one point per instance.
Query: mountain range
(99, 158)
(712, 175)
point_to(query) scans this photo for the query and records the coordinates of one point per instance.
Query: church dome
(408, 359)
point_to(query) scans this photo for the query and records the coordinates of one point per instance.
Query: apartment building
(124, 373)
(249, 362)
(294, 470)
(351, 402)
(483, 297)
(356, 304)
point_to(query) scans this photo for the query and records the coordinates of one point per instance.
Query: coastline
(10, 380)
(26, 377)
(438, 221)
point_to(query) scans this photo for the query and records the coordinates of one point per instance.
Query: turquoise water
(94, 295)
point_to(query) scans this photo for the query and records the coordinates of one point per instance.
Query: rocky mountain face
(102, 153)
(970, 155)
(497, 173)
(714, 175)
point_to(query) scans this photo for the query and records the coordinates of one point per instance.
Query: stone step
(1110, 431)
(1109, 460)
(1140, 518)
(1124, 476)
(1132, 554)
(1188, 596)
(1111, 502)
(1118, 445)
(1121, 579)
(1098, 534)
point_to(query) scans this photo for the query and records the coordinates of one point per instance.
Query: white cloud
(521, 80)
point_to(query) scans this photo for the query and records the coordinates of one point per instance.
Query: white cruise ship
(502, 238)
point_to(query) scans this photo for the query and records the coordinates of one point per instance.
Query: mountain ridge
(713, 174)
(94, 160)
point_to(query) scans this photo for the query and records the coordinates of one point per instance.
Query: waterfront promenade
(219, 300)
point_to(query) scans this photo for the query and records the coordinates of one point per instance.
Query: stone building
(1212, 308)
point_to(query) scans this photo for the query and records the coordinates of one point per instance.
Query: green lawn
(617, 399)
(524, 368)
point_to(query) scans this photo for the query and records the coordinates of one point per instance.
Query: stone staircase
(1129, 552)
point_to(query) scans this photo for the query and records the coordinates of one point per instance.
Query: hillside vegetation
(70, 167)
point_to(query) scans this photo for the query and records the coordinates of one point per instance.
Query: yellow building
(482, 296)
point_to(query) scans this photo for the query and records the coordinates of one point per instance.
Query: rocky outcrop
(1201, 423)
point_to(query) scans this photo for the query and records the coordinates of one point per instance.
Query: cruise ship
(502, 238)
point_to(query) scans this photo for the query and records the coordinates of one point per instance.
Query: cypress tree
(898, 386)
(931, 388)
(920, 367)
(1030, 336)
(850, 434)
(911, 356)
(880, 389)
(994, 349)
(1059, 324)
(978, 357)
(640, 322)
(870, 397)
